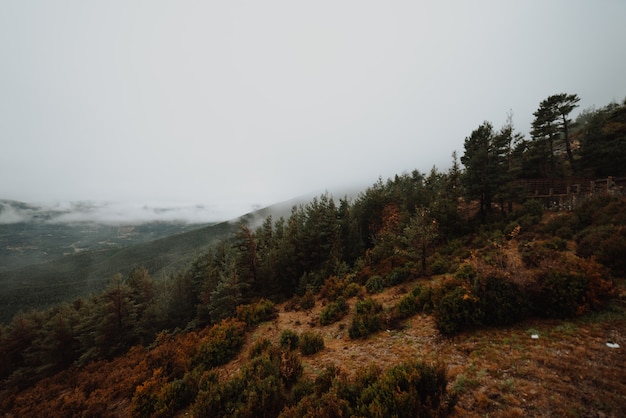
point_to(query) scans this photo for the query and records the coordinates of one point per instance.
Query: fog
(207, 110)
(114, 213)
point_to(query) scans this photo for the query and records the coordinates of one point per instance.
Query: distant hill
(44, 262)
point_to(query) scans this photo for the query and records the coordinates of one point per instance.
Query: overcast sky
(234, 104)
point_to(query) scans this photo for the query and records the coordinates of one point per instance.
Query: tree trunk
(568, 145)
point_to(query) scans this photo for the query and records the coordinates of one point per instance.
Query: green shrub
(289, 339)
(533, 254)
(564, 232)
(260, 347)
(334, 311)
(375, 284)
(311, 343)
(255, 313)
(178, 394)
(556, 244)
(559, 294)
(307, 301)
(221, 343)
(367, 319)
(502, 302)
(399, 275)
(607, 244)
(412, 389)
(441, 264)
(456, 310)
(407, 306)
(465, 272)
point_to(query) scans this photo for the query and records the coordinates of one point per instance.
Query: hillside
(569, 370)
(356, 333)
(39, 266)
(76, 275)
(452, 293)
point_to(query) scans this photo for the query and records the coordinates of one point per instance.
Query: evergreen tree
(420, 233)
(551, 123)
(504, 143)
(232, 289)
(603, 142)
(485, 172)
(247, 260)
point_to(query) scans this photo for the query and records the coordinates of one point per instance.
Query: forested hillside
(443, 279)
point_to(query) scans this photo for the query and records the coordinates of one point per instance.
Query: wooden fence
(568, 192)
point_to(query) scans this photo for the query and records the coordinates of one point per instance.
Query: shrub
(311, 343)
(327, 405)
(307, 301)
(457, 309)
(289, 339)
(559, 294)
(465, 272)
(407, 390)
(607, 244)
(556, 244)
(256, 390)
(260, 347)
(146, 401)
(367, 320)
(407, 306)
(290, 367)
(335, 287)
(418, 300)
(502, 302)
(533, 254)
(255, 313)
(399, 275)
(375, 284)
(334, 311)
(221, 343)
(441, 264)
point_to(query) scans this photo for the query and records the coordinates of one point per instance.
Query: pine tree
(483, 168)
(551, 123)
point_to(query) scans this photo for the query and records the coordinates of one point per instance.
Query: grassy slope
(567, 371)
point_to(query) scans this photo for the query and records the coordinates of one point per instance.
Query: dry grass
(567, 372)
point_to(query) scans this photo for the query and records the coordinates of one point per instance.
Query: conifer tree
(551, 123)
(483, 168)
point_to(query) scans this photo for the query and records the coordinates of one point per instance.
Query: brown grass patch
(500, 372)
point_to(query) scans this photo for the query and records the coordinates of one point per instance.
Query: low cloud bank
(12, 212)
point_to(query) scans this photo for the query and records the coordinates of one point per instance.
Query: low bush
(414, 389)
(255, 313)
(367, 319)
(307, 301)
(502, 302)
(399, 274)
(375, 284)
(418, 300)
(289, 339)
(456, 309)
(311, 343)
(607, 244)
(556, 244)
(334, 311)
(221, 343)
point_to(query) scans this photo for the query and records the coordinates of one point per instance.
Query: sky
(226, 106)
